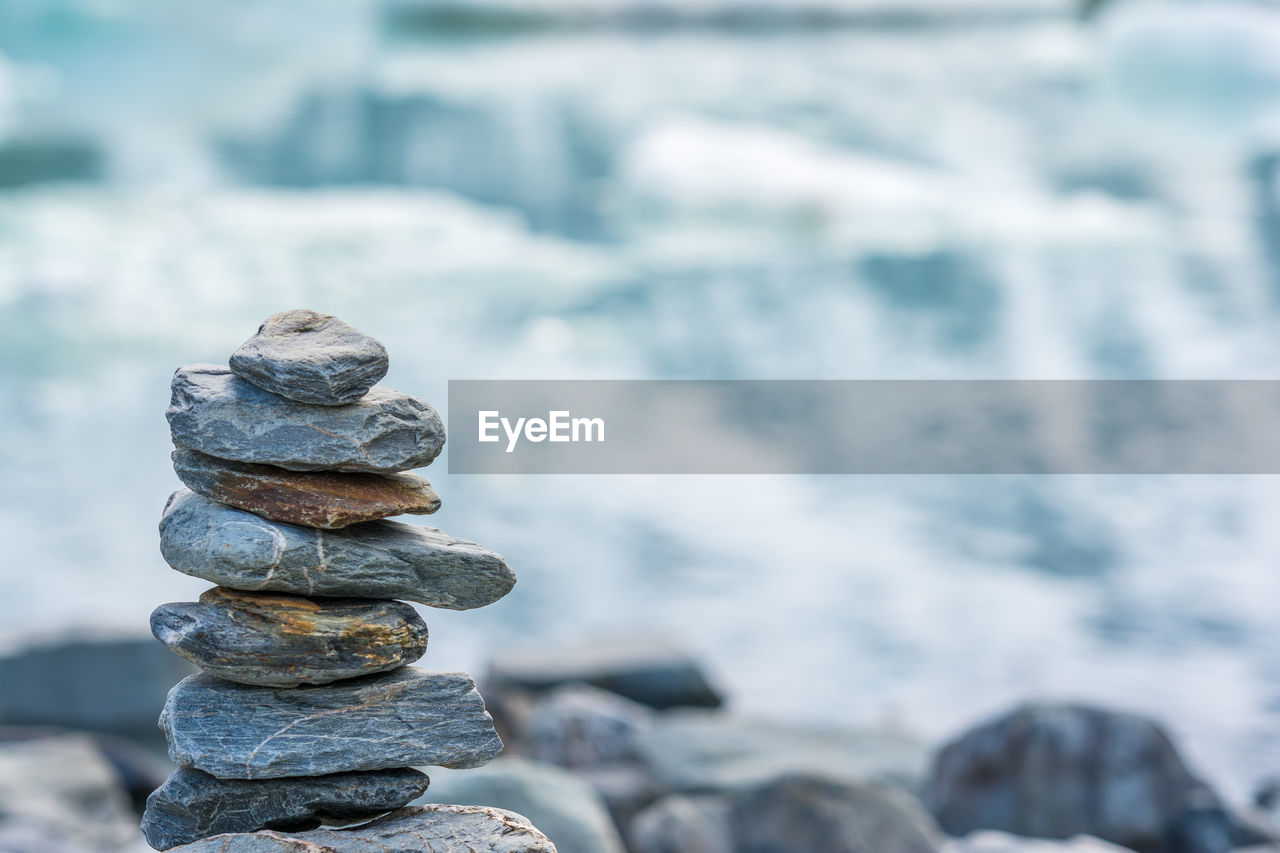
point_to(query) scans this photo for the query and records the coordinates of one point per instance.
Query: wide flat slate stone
(426, 829)
(218, 413)
(322, 499)
(312, 358)
(408, 717)
(379, 559)
(279, 640)
(191, 804)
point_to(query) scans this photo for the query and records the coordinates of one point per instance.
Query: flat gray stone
(216, 412)
(417, 829)
(312, 358)
(191, 804)
(279, 640)
(326, 499)
(378, 559)
(404, 718)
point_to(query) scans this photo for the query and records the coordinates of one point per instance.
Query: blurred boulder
(810, 814)
(626, 788)
(989, 841)
(708, 751)
(650, 671)
(582, 726)
(679, 824)
(114, 684)
(61, 795)
(1057, 771)
(567, 809)
(138, 769)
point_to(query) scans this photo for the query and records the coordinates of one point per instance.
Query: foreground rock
(1114, 776)
(312, 358)
(96, 681)
(192, 805)
(286, 640)
(216, 412)
(398, 719)
(380, 559)
(564, 807)
(429, 829)
(311, 499)
(647, 670)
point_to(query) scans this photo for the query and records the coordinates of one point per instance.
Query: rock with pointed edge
(384, 432)
(379, 559)
(191, 804)
(408, 717)
(322, 499)
(312, 358)
(278, 640)
(423, 829)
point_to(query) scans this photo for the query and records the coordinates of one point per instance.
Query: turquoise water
(1017, 196)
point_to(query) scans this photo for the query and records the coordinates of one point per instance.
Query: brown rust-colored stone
(279, 640)
(324, 499)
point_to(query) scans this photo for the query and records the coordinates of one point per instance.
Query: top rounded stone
(311, 358)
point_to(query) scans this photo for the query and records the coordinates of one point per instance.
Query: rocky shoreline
(661, 763)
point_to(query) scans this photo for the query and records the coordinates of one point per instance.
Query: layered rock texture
(429, 829)
(380, 559)
(306, 712)
(285, 640)
(314, 499)
(311, 358)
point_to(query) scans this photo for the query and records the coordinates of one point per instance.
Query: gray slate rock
(1055, 771)
(817, 815)
(564, 807)
(324, 499)
(216, 412)
(417, 829)
(378, 559)
(648, 670)
(312, 358)
(285, 640)
(398, 719)
(191, 804)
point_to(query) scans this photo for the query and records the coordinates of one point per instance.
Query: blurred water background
(712, 189)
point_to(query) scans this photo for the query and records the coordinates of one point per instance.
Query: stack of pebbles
(305, 712)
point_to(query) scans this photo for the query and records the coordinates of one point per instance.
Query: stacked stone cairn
(306, 711)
